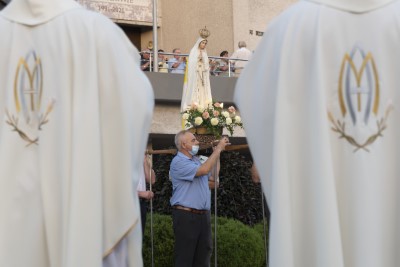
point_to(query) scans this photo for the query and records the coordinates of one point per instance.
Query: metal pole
(155, 39)
(151, 213)
(151, 63)
(215, 174)
(265, 228)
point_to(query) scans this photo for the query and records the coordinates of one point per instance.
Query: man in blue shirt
(190, 200)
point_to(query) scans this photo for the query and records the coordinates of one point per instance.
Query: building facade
(229, 21)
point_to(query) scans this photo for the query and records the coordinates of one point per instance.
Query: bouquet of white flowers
(212, 117)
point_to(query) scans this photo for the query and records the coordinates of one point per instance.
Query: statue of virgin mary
(196, 88)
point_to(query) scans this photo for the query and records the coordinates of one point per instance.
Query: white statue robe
(75, 112)
(196, 84)
(317, 104)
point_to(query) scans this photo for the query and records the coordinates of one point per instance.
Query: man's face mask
(194, 150)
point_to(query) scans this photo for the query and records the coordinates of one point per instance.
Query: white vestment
(317, 104)
(75, 112)
(196, 87)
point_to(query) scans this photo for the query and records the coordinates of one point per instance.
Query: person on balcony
(145, 61)
(177, 64)
(222, 69)
(162, 62)
(242, 53)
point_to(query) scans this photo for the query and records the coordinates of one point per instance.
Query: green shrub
(163, 241)
(259, 228)
(238, 244)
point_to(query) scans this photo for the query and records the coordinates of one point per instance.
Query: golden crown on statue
(204, 33)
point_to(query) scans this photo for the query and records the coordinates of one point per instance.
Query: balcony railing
(232, 71)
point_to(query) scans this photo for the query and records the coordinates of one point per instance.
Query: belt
(177, 207)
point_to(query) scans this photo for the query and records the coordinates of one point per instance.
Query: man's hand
(211, 184)
(146, 194)
(255, 176)
(223, 142)
(206, 167)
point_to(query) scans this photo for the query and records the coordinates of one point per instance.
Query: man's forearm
(210, 162)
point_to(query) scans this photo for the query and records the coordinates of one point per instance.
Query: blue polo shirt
(189, 190)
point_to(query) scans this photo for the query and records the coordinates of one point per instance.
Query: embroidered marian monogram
(359, 99)
(28, 91)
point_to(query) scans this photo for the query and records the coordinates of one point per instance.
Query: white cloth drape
(75, 112)
(316, 101)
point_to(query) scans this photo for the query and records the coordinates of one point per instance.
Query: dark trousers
(193, 241)
(143, 212)
(267, 214)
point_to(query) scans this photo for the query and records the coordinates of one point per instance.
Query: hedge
(239, 245)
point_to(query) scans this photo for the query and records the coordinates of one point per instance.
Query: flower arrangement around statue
(212, 118)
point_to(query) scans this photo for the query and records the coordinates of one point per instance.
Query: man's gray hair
(178, 138)
(242, 44)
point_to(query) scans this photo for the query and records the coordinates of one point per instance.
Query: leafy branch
(43, 119)
(13, 122)
(340, 128)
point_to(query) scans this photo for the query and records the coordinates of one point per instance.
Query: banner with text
(136, 11)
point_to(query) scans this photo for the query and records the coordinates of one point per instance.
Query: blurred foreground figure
(317, 102)
(75, 109)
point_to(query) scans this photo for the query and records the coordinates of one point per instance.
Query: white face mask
(194, 150)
